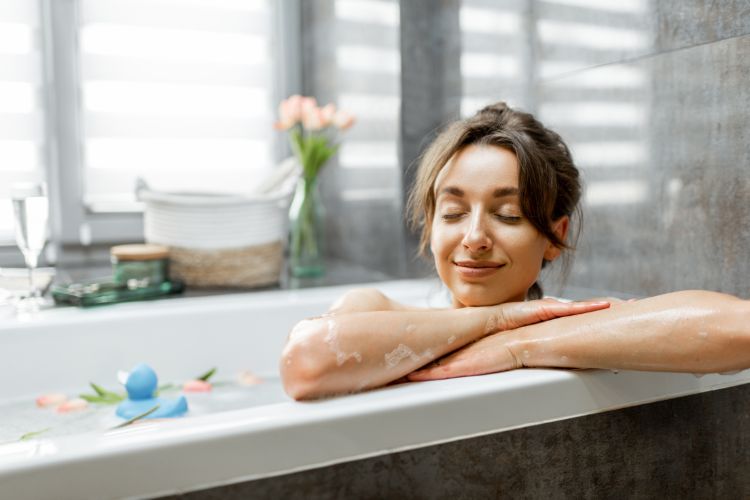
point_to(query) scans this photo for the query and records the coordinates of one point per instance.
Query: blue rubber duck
(141, 386)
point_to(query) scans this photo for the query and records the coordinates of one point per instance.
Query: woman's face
(485, 250)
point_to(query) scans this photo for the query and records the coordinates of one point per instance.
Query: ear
(560, 228)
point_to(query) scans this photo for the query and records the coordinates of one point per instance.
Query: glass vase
(306, 243)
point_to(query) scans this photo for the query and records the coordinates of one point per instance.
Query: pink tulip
(196, 386)
(327, 113)
(52, 399)
(72, 405)
(307, 104)
(248, 378)
(343, 120)
(312, 119)
(290, 112)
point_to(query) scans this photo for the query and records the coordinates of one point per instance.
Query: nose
(477, 239)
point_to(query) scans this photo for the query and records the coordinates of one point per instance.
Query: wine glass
(30, 212)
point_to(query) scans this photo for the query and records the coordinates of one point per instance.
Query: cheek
(439, 240)
(441, 248)
(530, 250)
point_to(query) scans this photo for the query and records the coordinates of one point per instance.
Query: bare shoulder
(367, 299)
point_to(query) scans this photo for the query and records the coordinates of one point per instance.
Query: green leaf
(136, 418)
(110, 399)
(207, 375)
(90, 398)
(167, 387)
(32, 435)
(102, 396)
(103, 392)
(98, 389)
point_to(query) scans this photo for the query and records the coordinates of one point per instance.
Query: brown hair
(548, 181)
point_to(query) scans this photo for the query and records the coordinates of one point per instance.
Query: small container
(140, 265)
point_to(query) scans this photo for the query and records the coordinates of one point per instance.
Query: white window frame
(72, 223)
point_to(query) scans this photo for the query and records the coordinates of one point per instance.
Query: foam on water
(332, 339)
(397, 355)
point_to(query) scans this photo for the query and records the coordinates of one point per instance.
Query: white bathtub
(62, 350)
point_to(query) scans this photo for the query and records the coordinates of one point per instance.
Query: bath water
(22, 416)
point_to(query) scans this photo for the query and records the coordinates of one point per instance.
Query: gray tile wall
(363, 203)
(651, 95)
(666, 152)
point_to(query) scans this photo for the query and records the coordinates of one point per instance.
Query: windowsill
(338, 272)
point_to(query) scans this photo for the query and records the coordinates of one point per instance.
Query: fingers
(437, 372)
(469, 361)
(517, 314)
(611, 300)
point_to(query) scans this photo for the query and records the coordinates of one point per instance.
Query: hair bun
(495, 108)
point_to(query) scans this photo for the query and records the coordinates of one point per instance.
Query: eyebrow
(497, 193)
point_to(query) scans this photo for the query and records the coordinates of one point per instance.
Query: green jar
(140, 265)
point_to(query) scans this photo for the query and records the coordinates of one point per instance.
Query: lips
(477, 263)
(477, 268)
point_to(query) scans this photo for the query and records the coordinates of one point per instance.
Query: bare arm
(357, 346)
(689, 331)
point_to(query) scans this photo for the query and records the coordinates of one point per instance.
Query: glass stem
(32, 290)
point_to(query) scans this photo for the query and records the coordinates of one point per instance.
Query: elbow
(300, 378)
(302, 365)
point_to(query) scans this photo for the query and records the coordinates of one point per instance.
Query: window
(22, 123)
(172, 94)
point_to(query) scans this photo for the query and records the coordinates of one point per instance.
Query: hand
(613, 301)
(488, 355)
(493, 353)
(517, 314)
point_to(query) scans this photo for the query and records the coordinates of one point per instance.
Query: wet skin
(485, 250)
(488, 256)
(486, 253)
(693, 331)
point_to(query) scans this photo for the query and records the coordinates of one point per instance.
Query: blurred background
(652, 97)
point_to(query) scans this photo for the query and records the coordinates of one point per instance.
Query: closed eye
(508, 218)
(449, 217)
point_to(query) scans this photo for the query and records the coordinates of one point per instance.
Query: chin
(477, 303)
(478, 299)
(480, 296)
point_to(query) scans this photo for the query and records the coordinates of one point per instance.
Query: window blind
(21, 103)
(177, 92)
(368, 66)
(494, 59)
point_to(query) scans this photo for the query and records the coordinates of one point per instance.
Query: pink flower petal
(327, 113)
(247, 377)
(343, 120)
(76, 404)
(312, 119)
(51, 399)
(196, 386)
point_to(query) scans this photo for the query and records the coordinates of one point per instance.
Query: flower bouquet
(311, 133)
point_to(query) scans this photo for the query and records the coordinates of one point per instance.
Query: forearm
(354, 351)
(690, 331)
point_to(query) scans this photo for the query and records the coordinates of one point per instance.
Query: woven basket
(252, 266)
(219, 240)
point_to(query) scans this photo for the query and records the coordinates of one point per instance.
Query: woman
(494, 197)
